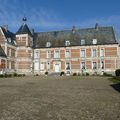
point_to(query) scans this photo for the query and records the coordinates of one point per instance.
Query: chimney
(96, 26)
(32, 31)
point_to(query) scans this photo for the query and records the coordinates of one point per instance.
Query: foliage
(74, 74)
(117, 72)
(62, 73)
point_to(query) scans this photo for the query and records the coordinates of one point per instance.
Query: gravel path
(58, 98)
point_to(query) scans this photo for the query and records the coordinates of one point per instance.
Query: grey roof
(2, 53)
(24, 29)
(9, 36)
(104, 35)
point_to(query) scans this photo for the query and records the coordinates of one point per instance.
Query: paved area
(58, 98)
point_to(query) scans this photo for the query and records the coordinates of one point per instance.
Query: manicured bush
(15, 74)
(46, 73)
(106, 74)
(1, 75)
(117, 72)
(74, 74)
(87, 74)
(62, 73)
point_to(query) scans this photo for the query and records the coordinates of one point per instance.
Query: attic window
(9, 40)
(82, 42)
(48, 44)
(94, 41)
(67, 43)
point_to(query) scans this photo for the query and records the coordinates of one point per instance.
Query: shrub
(46, 73)
(87, 74)
(117, 72)
(15, 74)
(106, 74)
(62, 73)
(74, 74)
(1, 75)
(78, 74)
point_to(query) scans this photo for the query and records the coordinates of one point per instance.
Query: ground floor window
(82, 65)
(42, 66)
(94, 65)
(67, 66)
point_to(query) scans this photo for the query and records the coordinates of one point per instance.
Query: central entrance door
(57, 67)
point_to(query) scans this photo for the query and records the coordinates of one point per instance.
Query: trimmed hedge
(117, 72)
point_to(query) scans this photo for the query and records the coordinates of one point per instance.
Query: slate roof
(2, 53)
(104, 35)
(24, 29)
(9, 36)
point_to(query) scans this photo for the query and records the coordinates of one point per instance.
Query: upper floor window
(102, 52)
(48, 44)
(67, 54)
(82, 42)
(48, 54)
(67, 43)
(82, 53)
(94, 41)
(57, 54)
(36, 55)
(94, 53)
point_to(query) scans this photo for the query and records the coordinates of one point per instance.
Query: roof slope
(24, 29)
(104, 35)
(9, 36)
(2, 53)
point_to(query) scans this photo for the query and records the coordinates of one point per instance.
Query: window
(9, 52)
(102, 64)
(57, 54)
(94, 65)
(9, 40)
(36, 54)
(102, 52)
(67, 43)
(48, 54)
(48, 44)
(82, 65)
(94, 41)
(67, 66)
(82, 42)
(82, 53)
(42, 66)
(94, 53)
(67, 54)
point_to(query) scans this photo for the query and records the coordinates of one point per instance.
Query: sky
(49, 15)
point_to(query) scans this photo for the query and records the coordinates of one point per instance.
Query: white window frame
(42, 66)
(36, 54)
(67, 55)
(48, 44)
(93, 65)
(67, 43)
(81, 55)
(56, 55)
(103, 64)
(94, 41)
(82, 42)
(93, 52)
(102, 54)
(66, 66)
(81, 65)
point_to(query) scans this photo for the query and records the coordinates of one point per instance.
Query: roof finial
(24, 19)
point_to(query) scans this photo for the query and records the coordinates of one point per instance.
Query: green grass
(115, 80)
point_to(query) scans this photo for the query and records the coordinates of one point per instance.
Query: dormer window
(94, 41)
(67, 43)
(9, 40)
(82, 42)
(14, 42)
(48, 44)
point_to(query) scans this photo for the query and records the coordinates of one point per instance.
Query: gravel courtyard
(58, 98)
